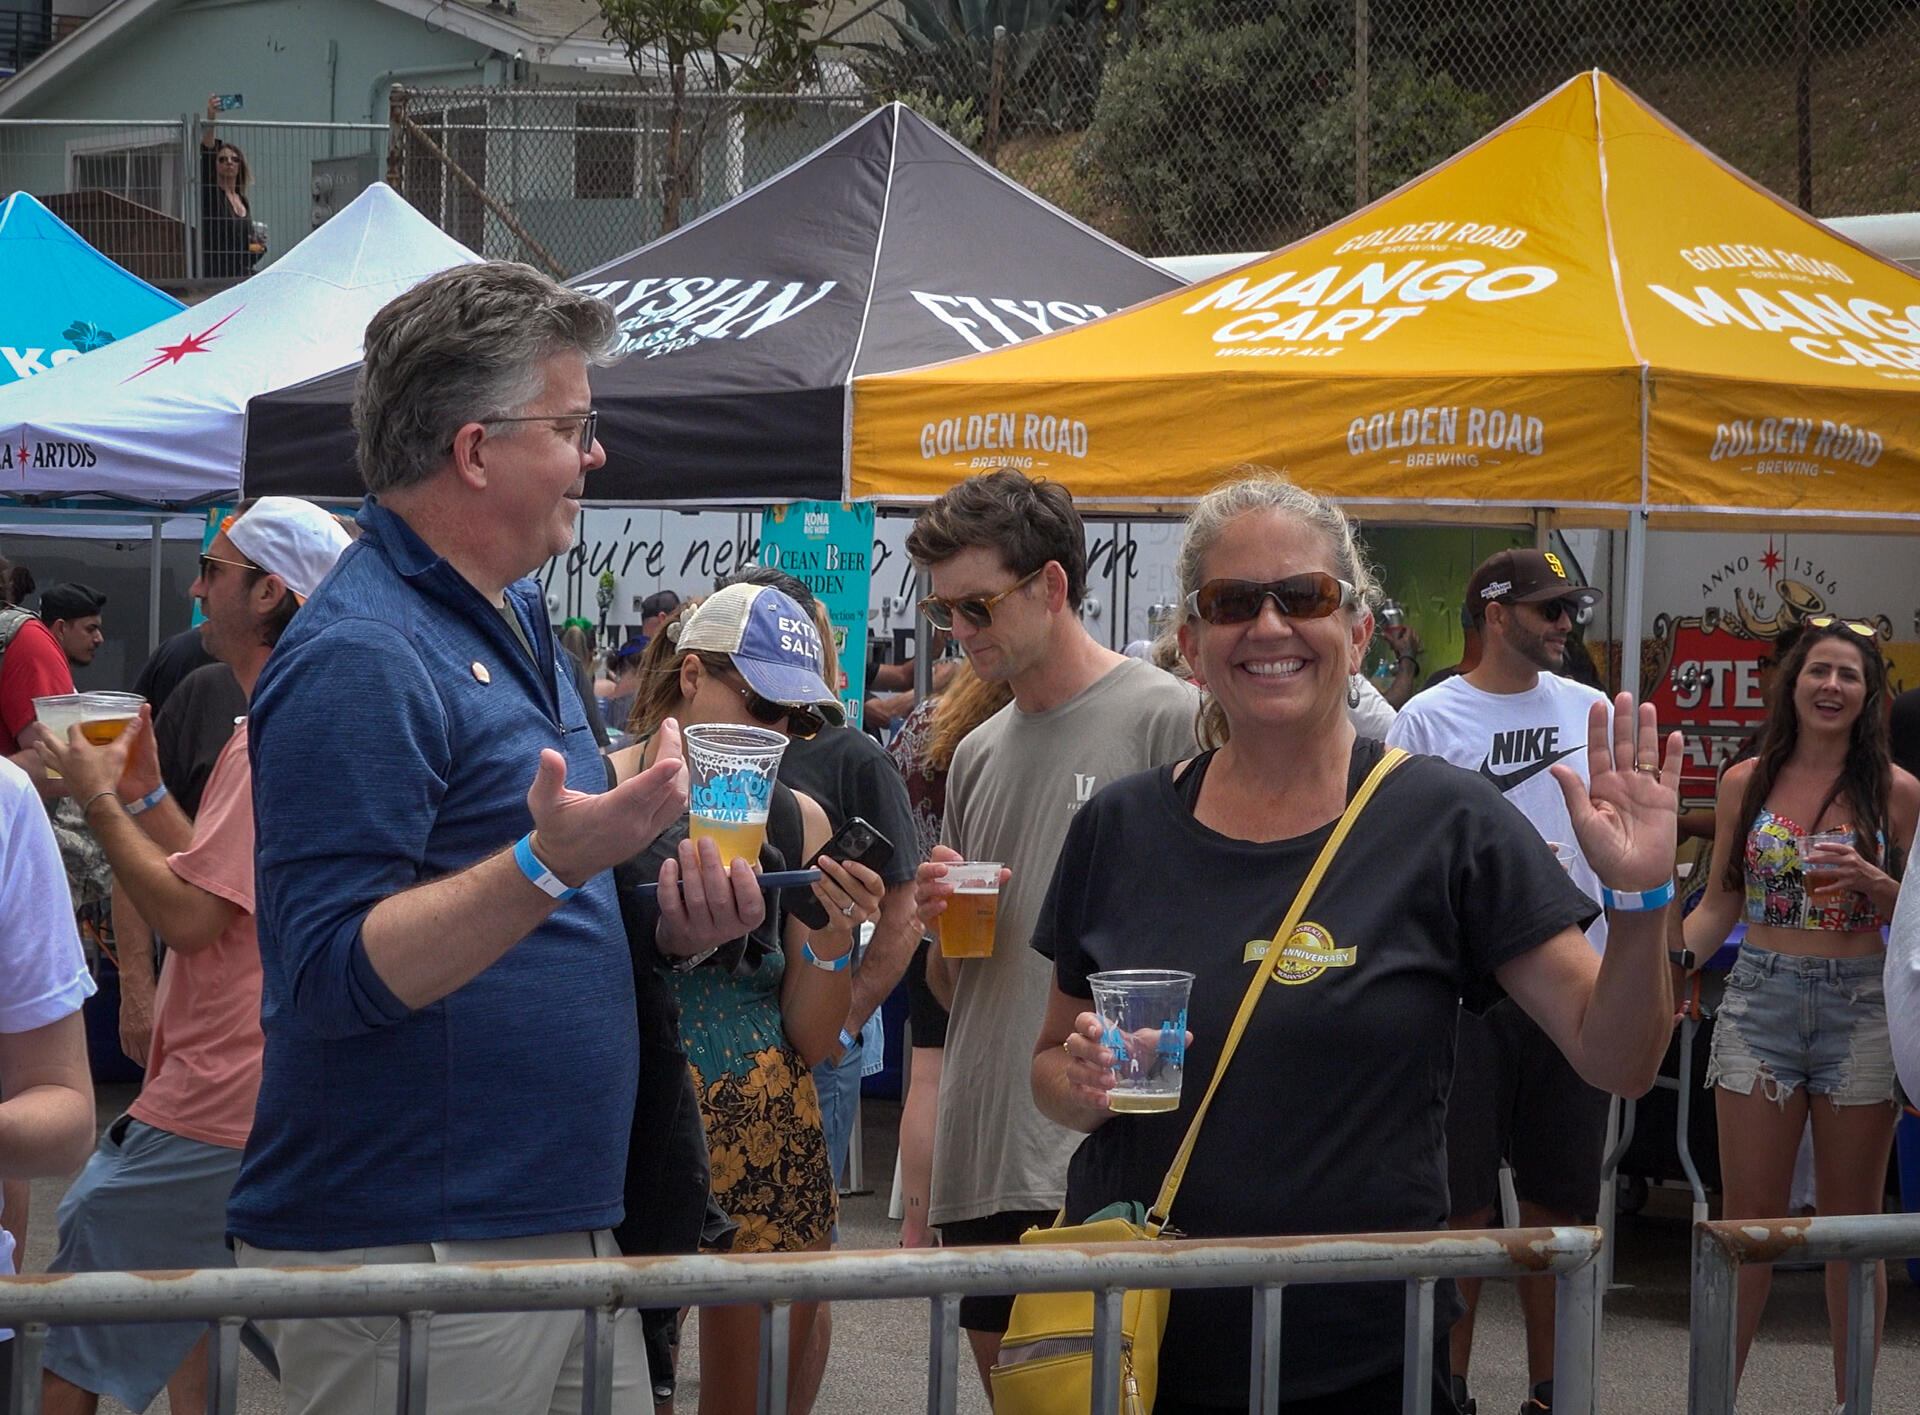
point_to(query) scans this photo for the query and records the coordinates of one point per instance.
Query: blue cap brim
(790, 685)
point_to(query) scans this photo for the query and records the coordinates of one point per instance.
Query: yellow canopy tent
(1585, 311)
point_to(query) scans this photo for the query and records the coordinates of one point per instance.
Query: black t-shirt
(169, 665)
(1331, 1118)
(850, 774)
(194, 728)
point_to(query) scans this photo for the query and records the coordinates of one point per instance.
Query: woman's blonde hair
(968, 701)
(1257, 489)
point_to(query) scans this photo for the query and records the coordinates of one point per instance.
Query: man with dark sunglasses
(1008, 560)
(1511, 717)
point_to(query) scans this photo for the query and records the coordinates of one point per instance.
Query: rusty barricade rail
(1719, 1251)
(227, 1298)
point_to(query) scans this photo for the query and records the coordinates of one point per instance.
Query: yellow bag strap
(1163, 1206)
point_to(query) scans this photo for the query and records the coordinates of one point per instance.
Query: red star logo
(173, 353)
(1771, 560)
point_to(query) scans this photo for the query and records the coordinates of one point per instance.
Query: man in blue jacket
(448, 998)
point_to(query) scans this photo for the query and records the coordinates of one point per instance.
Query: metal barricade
(1719, 1250)
(414, 1292)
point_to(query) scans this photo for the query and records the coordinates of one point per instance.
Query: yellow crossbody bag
(1046, 1357)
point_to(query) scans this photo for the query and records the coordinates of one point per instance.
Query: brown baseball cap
(1524, 576)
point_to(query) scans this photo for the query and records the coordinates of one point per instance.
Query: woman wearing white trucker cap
(759, 1012)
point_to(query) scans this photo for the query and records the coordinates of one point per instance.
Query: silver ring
(846, 911)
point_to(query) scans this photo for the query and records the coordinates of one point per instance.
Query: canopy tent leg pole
(1542, 528)
(153, 589)
(1633, 602)
(922, 638)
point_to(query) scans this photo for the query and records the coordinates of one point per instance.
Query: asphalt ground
(878, 1363)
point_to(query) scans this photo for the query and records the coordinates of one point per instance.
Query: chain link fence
(1176, 126)
(142, 192)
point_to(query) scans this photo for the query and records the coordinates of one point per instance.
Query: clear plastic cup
(57, 713)
(106, 715)
(1817, 871)
(730, 775)
(1564, 853)
(1143, 1018)
(966, 927)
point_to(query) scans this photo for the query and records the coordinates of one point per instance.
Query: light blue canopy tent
(61, 298)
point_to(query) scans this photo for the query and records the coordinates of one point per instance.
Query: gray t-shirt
(1016, 782)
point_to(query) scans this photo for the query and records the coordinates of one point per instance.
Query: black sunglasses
(589, 424)
(1313, 595)
(977, 610)
(801, 722)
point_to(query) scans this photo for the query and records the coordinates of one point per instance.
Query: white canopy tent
(158, 419)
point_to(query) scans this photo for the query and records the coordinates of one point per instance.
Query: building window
(140, 174)
(620, 150)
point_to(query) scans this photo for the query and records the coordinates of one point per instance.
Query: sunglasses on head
(1853, 626)
(801, 722)
(977, 610)
(1313, 595)
(589, 424)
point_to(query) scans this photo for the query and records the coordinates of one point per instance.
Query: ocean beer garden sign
(828, 545)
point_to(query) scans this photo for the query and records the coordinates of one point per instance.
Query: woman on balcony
(228, 248)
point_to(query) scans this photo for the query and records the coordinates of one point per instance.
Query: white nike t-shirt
(1511, 739)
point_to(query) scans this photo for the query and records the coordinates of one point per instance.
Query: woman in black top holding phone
(227, 247)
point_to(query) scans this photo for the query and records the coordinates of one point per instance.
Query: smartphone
(227, 102)
(858, 841)
(779, 879)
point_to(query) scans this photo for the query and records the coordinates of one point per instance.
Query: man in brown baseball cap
(1524, 577)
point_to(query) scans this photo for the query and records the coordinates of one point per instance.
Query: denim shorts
(1788, 1021)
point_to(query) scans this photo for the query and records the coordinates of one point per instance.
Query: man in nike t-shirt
(1515, 1096)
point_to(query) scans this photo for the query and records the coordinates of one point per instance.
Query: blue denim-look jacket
(395, 731)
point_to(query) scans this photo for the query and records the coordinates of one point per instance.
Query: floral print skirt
(770, 1169)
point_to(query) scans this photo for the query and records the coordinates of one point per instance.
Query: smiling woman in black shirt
(1329, 1120)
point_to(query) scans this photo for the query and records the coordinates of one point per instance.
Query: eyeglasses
(801, 722)
(977, 610)
(1854, 626)
(228, 157)
(1313, 595)
(207, 561)
(589, 424)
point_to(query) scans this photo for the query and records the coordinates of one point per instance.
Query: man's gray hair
(463, 346)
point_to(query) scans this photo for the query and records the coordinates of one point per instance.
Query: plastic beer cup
(1805, 845)
(966, 928)
(106, 715)
(1564, 853)
(57, 713)
(1143, 1021)
(730, 774)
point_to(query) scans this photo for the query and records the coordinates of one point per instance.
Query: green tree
(764, 45)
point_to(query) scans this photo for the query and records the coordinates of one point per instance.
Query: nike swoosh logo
(1511, 779)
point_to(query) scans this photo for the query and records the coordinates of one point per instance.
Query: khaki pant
(505, 1363)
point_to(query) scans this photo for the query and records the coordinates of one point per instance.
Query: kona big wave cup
(730, 786)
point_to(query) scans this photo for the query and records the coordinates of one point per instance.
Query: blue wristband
(542, 878)
(1644, 902)
(148, 801)
(847, 1040)
(826, 965)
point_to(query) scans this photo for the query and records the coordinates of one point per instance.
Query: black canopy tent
(890, 247)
